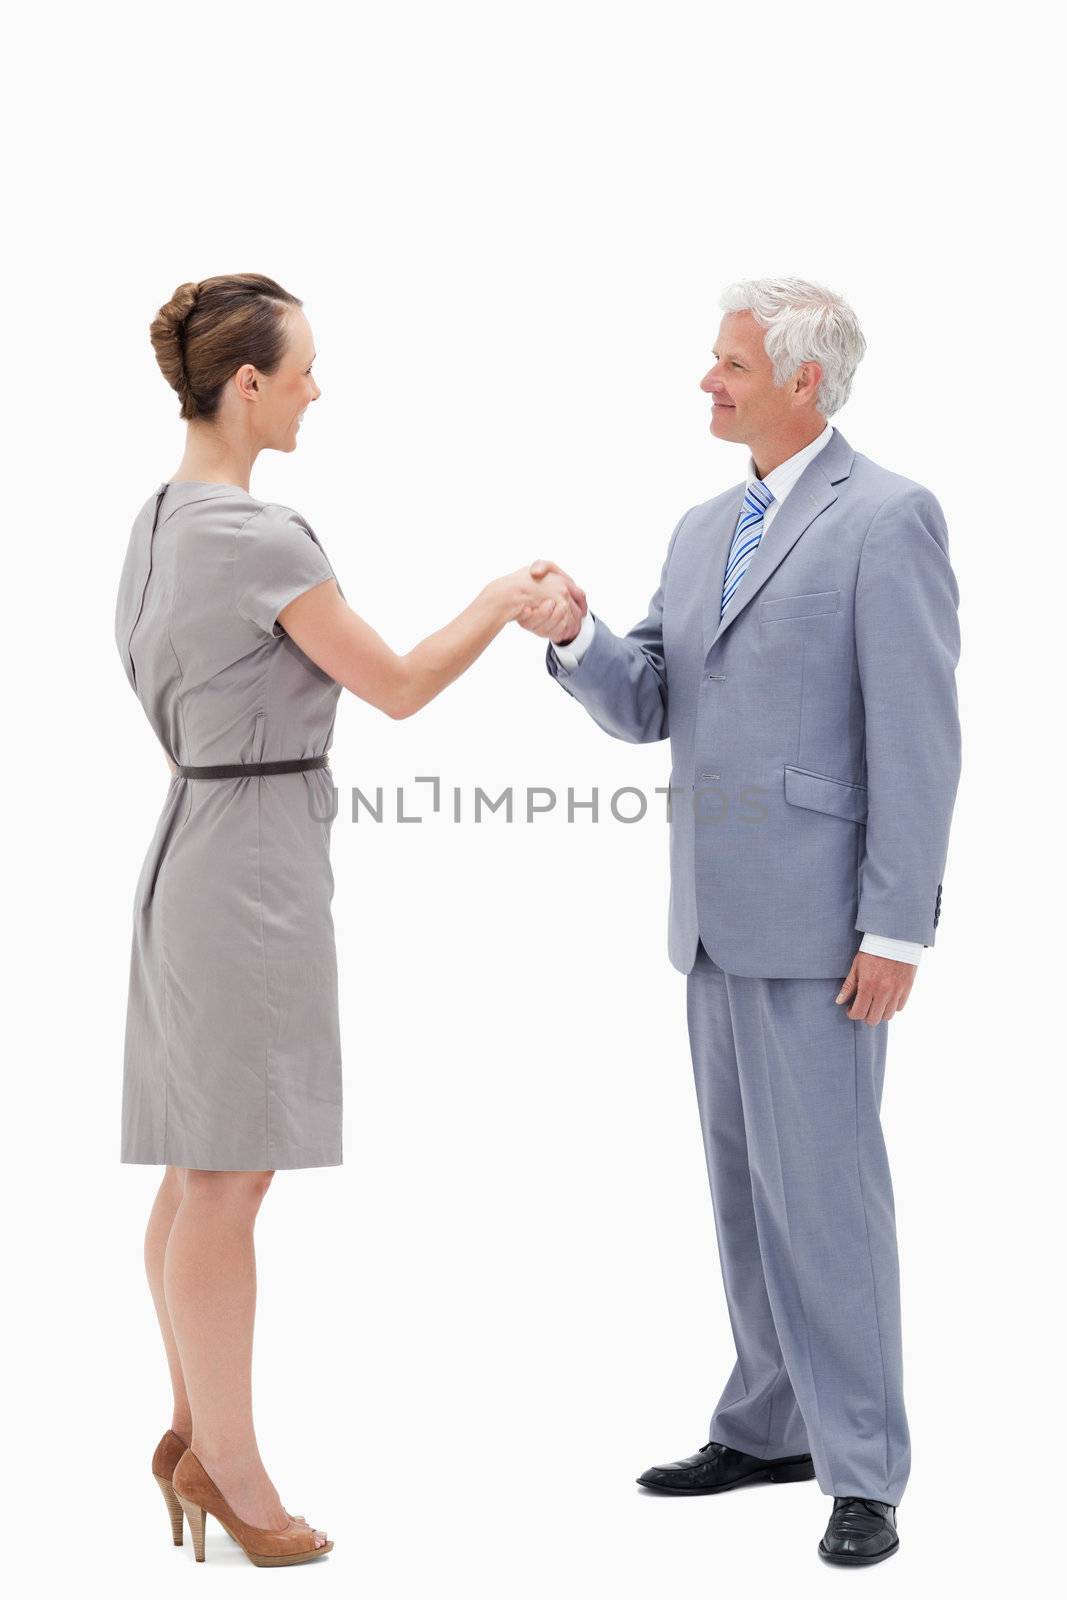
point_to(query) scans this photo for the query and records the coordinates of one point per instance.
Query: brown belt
(254, 769)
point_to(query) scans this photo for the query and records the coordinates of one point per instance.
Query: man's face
(747, 407)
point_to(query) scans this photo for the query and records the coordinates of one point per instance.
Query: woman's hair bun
(167, 335)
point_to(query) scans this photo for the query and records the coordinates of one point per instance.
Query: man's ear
(809, 377)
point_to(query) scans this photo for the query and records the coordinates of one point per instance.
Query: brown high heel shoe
(198, 1495)
(168, 1453)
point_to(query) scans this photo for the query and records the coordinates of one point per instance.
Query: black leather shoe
(859, 1531)
(716, 1467)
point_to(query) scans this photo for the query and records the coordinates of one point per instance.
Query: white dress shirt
(779, 482)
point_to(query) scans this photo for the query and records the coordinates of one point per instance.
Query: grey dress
(232, 1047)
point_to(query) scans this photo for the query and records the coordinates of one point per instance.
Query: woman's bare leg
(160, 1221)
(209, 1277)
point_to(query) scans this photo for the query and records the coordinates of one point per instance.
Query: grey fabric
(232, 1048)
(814, 728)
(789, 1089)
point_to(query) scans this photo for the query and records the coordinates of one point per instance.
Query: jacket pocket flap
(783, 606)
(820, 793)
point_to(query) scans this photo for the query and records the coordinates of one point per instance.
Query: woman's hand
(563, 629)
(544, 596)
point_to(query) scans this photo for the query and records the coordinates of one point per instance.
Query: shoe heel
(796, 1472)
(167, 1490)
(196, 1517)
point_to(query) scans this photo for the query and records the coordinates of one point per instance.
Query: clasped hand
(550, 604)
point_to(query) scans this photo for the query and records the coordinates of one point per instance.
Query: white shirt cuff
(876, 944)
(571, 654)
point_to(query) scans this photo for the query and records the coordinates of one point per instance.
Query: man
(800, 654)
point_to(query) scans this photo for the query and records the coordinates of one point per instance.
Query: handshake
(542, 599)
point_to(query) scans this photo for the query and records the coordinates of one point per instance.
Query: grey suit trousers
(789, 1089)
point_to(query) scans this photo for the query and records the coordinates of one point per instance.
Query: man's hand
(881, 987)
(561, 630)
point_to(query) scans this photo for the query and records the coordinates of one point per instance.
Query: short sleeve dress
(232, 1047)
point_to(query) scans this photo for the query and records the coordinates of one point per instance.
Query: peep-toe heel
(198, 1495)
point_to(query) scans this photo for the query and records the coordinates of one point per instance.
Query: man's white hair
(804, 322)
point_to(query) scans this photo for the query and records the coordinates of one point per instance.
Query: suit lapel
(808, 498)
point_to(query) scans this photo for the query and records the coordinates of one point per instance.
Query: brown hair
(209, 329)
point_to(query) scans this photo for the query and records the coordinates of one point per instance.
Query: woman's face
(285, 394)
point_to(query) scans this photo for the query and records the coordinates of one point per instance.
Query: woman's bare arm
(347, 648)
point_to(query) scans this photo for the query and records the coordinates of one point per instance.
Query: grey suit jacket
(814, 731)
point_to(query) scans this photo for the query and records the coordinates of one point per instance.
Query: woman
(235, 636)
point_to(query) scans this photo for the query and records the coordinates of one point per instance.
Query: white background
(510, 227)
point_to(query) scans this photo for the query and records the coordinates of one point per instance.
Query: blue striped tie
(748, 535)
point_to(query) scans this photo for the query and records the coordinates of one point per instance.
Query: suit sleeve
(907, 647)
(622, 681)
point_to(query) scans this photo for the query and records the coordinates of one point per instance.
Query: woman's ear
(246, 381)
